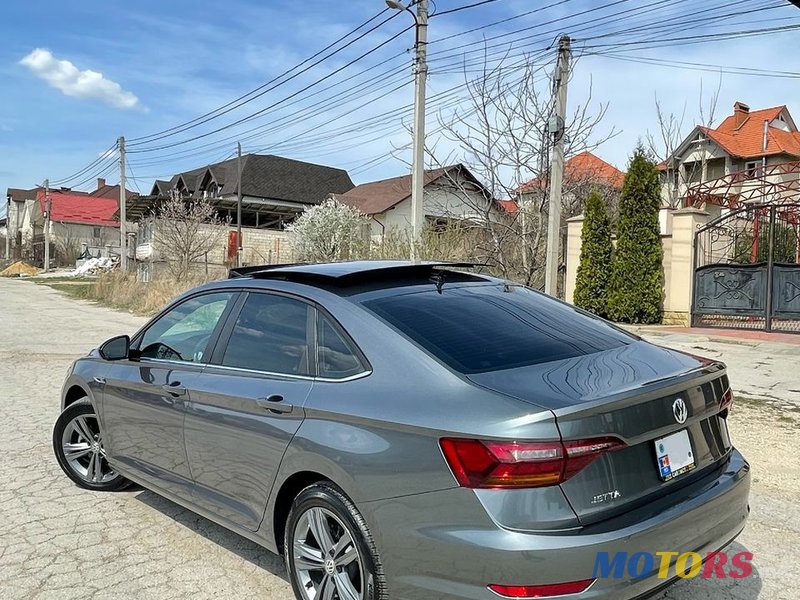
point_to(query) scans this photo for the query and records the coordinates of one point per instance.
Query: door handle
(174, 389)
(274, 403)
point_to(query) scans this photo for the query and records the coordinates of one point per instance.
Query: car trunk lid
(629, 393)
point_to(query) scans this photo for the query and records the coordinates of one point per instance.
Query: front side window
(183, 333)
(337, 358)
(270, 335)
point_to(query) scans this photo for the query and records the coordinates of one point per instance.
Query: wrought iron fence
(747, 269)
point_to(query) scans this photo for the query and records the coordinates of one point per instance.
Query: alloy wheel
(84, 452)
(326, 559)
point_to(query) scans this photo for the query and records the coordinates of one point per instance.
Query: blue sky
(158, 64)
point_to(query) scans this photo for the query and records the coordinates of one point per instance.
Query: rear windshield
(476, 329)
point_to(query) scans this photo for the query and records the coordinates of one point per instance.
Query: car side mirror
(117, 348)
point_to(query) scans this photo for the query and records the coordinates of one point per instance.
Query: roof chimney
(740, 113)
(101, 183)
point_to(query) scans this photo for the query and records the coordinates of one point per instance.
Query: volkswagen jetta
(413, 431)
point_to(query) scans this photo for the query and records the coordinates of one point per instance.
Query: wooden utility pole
(556, 127)
(239, 205)
(47, 207)
(123, 231)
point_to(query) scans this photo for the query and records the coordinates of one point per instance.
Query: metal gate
(747, 269)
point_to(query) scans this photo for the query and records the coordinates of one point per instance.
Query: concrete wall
(259, 246)
(78, 235)
(678, 263)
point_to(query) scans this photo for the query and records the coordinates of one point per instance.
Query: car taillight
(727, 399)
(541, 591)
(495, 464)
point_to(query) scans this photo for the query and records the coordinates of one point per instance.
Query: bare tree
(185, 229)
(664, 144)
(501, 133)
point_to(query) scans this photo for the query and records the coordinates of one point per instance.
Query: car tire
(324, 510)
(78, 446)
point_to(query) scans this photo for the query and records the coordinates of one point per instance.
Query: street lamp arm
(394, 4)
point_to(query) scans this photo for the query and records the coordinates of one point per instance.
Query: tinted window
(477, 329)
(184, 332)
(270, 335)
(337, 359)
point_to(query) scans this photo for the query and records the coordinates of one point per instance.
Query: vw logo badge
(680, 411)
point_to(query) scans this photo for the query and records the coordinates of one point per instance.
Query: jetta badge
(680, 411)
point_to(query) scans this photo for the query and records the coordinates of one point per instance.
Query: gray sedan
(415, 431)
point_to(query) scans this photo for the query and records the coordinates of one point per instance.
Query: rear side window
(337, 358)
(477, 329)
(270, 334)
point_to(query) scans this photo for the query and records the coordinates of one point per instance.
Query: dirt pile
(19, 269)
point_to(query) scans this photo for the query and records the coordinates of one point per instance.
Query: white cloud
(66, 77)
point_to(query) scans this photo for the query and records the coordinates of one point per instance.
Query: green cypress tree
(636, 276)
(594, 269)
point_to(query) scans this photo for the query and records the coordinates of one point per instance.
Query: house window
(96, 232)
(752, 169)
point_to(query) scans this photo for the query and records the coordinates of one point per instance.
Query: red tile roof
(78, 208)
(747, 139)
(508, 205)
(584, 167)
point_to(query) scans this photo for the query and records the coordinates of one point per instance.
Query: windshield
(475, 329)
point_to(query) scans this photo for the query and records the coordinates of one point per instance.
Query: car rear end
(642, 463)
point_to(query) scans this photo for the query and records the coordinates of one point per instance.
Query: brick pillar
(678, 295)
(574, 231)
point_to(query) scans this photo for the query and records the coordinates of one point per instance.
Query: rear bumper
(444, 545)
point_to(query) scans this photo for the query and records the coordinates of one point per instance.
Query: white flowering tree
(330, 231)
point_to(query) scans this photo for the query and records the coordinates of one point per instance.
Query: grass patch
(122, 290)
(76, 289)
(59, 280)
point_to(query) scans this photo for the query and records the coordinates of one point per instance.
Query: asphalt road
(57, 541)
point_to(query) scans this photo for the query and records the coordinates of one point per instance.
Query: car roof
(344, 270)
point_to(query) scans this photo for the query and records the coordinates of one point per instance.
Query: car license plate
(674, 455)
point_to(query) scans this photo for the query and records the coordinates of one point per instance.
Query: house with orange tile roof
(579, 170)
(746, 142)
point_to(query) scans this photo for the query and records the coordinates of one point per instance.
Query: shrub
(637, 277)
(594, 270)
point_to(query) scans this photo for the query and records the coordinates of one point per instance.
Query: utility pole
(418, 168)
(123, 230)
(239, 205)
(556, 127)
(420, 81)
(47, 207)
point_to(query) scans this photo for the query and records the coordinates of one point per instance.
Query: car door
(145, 396)
(248, 405)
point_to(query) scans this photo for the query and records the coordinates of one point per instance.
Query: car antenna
(438, 277)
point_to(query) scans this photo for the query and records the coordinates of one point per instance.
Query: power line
(289, 97)
(261, 90)
(103, 155)
(460, 8)
(706, 67)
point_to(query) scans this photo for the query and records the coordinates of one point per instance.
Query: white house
(450, 194)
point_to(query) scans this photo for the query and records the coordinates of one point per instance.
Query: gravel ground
(61, 542)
